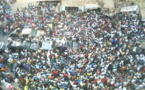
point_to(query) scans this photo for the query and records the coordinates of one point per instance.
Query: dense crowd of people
(95, 52)
(4, 22)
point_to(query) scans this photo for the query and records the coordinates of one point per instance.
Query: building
(108, 7)
(79, 4)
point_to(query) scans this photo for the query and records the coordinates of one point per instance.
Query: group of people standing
(96, 52)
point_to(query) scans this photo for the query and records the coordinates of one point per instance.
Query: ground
(19, 4)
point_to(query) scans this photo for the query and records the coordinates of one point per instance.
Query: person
(89, 50)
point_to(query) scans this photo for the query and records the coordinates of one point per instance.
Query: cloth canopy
(26, 44)
(26, 31)
(16, 43)
(46, 46)
(129, 8)
(34, 46)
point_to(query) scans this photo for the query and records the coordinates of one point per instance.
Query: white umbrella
(26, 31)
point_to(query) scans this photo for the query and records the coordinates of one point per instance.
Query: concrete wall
(108, 3)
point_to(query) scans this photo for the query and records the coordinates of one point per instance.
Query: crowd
(96, 52)
(4, 22)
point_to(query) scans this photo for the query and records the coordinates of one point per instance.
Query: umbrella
(34, 46)
(65, 75)
(55, 72)
(2, 65)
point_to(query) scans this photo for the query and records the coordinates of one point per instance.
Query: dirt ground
(19, 4)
